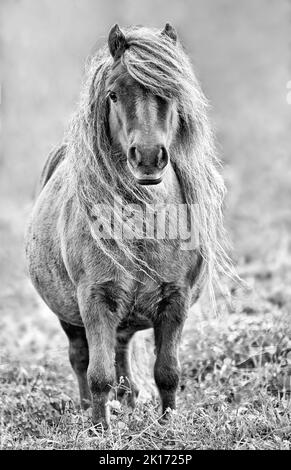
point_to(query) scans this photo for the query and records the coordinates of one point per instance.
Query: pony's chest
(166, 259)
(145, 297)
(144, 304)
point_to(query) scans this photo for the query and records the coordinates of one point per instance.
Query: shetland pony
(140, 136)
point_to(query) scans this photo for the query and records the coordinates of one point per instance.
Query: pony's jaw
(149, 181)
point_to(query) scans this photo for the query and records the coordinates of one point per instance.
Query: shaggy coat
(104, 290)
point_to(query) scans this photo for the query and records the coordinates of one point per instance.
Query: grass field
(235, 387)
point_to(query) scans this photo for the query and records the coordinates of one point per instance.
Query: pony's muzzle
(147, 163)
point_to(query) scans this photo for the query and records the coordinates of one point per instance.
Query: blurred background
(241, 54)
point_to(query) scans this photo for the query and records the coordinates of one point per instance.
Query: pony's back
(55, 157)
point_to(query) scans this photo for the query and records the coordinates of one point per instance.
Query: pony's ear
(116, 42)
(170, 32)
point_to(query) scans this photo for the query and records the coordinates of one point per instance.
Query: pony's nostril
(162, 158)
(132, 156)
(131, 153)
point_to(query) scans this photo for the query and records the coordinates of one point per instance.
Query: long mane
(97, 175)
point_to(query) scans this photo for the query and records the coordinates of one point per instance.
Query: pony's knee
(100, 380)
(79, 358)
(167, 376)
(127, 387)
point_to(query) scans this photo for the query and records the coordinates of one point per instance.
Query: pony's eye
(113, 96)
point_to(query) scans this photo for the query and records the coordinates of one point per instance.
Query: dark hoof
(96, 431)
(101, 418)
(98, 428)
(128, 397)
(132, 398)
(166, 416)
(163, 420)
(85, 404)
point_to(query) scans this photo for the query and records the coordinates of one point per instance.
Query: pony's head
(142, 109)
(142, 124)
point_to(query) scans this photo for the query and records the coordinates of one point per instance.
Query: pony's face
(142, 124)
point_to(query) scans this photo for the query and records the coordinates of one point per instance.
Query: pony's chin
(148, 181)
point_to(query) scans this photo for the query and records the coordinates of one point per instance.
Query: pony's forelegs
(167, 330)
(100, 324)
(79, 359)
(127, 386)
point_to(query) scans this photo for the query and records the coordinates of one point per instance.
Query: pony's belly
(62, 304)
(58, 294)
(46, 268)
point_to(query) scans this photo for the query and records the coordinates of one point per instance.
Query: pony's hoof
(85, 404)
(166, 416)
(98, 427)
(128, 397)
(163, 420)
(132, 398)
